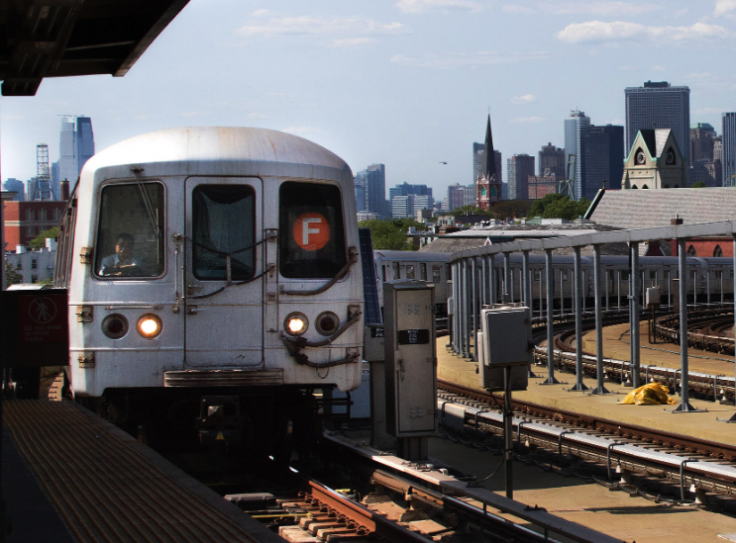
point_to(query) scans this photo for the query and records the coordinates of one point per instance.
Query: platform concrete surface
(589, 504)
(704, 425)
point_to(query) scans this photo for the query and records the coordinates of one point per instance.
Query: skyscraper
(660, 104)
(76, 146)
(521, 168)
(576, 127)
(553, 159)
(370, 190)
(16, 185)
(455, 196)
(603, 158)
(728, 160)
(702, 139)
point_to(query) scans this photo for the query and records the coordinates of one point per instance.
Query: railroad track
(688, 468)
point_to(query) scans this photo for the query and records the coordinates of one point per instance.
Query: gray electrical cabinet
(505, 340)
(410, 358)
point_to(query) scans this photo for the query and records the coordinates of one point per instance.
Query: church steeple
(489, 165)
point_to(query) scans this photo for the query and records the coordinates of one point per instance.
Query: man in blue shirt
(120, 263)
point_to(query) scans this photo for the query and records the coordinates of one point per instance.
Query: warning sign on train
(311, 231)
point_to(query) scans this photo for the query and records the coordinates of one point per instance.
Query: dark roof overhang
(62, 38)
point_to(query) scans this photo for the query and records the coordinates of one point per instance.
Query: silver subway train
(210, 263)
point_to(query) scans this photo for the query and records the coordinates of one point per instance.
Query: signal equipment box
(505, 341)
(411, 358)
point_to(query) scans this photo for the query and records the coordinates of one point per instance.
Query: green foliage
(699, 185)
(390, 235)
(510, 209)
(469, 210)
(12, 277)
(557, 206)
(40, 240)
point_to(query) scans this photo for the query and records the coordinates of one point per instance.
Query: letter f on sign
(306, 230)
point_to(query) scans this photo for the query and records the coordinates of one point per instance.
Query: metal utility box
(654, 296)
(505, 340)
(411, 358)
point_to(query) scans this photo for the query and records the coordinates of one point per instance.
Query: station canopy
(63, 38)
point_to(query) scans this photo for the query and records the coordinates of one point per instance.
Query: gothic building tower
(488, 184)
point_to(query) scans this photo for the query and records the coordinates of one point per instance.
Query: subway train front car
(214, 289)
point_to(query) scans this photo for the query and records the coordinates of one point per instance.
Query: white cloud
(680, 13)
(260, 13)
(352, 42)
(428, 6)
(725, 7)
(601, 7)
(619, 30)
(658, 68)
(530, 120)
(310, 26)
(526, 99)
(460, 60)
(192, 113)
(298, 130)
(708, 110)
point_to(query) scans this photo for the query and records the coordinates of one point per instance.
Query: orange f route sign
(311, 231)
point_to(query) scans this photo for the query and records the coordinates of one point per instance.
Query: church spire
(489, 165)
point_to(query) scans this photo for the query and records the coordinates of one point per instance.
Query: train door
(223, 263)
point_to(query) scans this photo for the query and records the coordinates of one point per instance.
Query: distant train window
(436, 274)
(312, 238)
(652, 274)
(384, 273)
(718, 252)
(423, 272)
(223, 223)
(130, 239)
(397, 272)
(537, 275)
(410, 271)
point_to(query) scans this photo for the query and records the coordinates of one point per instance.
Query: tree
(12, 277)
(510, 209)
(558, 206)
(40, 240)
(391, 235)
(469, 210)
(699, 185)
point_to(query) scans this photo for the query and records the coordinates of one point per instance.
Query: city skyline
(406, 83)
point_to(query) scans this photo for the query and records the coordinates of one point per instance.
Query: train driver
(121, 262)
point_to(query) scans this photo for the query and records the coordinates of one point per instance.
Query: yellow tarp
(651, 394)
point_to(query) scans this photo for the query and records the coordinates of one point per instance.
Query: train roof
(217, 144)
(413, 256)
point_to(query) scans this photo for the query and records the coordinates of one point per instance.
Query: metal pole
(562, 293)
(454, 308)
(733, 417)
(474, 294)
(492, 279)
(600, 388)
(525, 282)
(684, 406)
(635, 324)
(578, 287)
(468, 305)
(707, 285)
(463, 313)
(508, 418)
(618, 289)
(608, 281)
(505, 277)
(541, 295)
(550, 317)
(583, 288)
(484, 281)
(511, 285)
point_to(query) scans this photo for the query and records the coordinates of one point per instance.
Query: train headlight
(296, 323)
(115, 326)
(149, 326)
(327, 323)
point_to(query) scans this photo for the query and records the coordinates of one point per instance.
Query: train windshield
(312, 239)
(130, 239)
(224, 232)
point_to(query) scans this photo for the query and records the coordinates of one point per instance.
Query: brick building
(25, 220)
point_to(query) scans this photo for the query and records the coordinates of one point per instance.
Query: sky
(406, 83)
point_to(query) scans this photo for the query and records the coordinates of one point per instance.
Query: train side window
(410, 271)
(423, 271)
(652, 274)
(436, 274)
(384, 272)
(223, 223)
(397, 274)
(130, 236)
(537, 275)
(311, 232)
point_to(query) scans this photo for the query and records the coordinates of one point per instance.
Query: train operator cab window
(130, 236)
(223, 225)
(409, 271)
(311, 234)
(436, 274)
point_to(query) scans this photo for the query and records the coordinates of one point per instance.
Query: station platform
(705, 425)
(69, 476)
